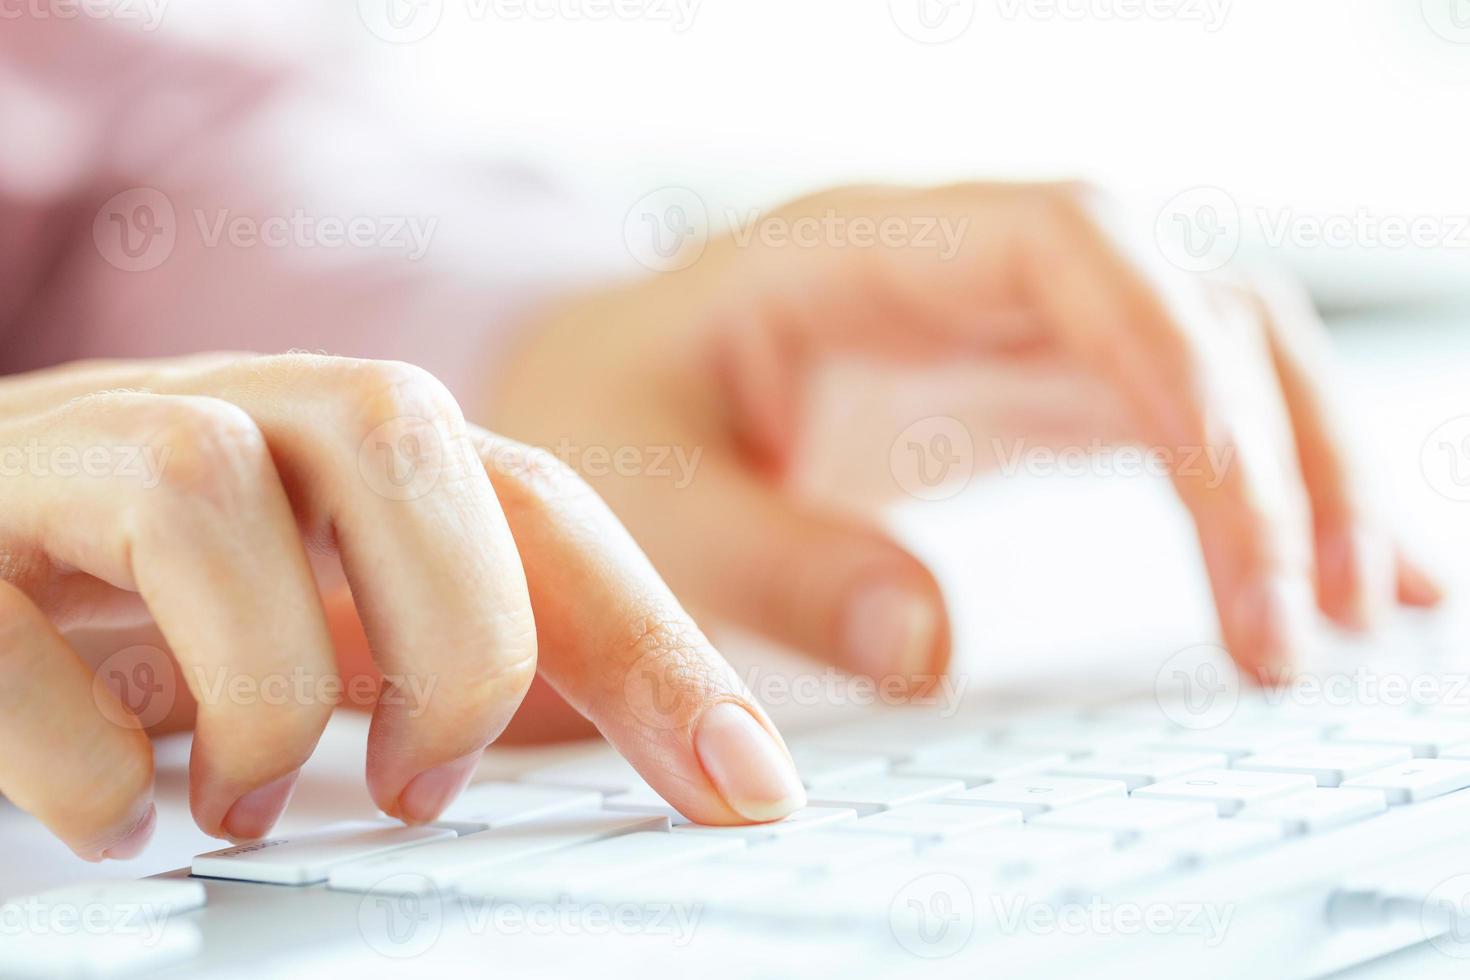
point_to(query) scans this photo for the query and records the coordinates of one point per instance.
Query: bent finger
(75, 758)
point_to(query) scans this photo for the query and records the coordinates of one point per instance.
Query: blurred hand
(1065, 334)
(190, 493)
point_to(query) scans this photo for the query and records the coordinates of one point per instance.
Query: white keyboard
(955, 841)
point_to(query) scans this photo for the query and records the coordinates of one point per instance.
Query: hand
(191, 493)
(1057, 331)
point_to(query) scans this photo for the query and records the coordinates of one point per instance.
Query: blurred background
(1305, 112)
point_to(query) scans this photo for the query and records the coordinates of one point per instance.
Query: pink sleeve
(158, 201)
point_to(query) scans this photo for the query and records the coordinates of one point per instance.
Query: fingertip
(1354, 577)
(1417, 587)
(746, 764)
(431, 791)
(1270, 626)
(126, 845)
(889, 628)
(253, 815)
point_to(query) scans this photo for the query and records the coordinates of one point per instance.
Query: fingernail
(890, 629)
(255, 813)
(135, 840)
(1273, 620)
(1356, 565)
(428, 793)
(749, 768)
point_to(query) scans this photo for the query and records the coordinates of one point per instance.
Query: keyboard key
(1142, 767)
(819, 764)
(1230, 790)
(824, 852)
(1194, 846)
(808, 818)
(1083, 736)
(445, 863)
(1022, 850)
(307, 859)
(869, 794)
(933, 822)
(579, 870)
(122, 898)
(607, 773)
(1329, 763)
(1127, 819)
(1417, 781)
(102, 929)
(496, 804)
(714, 884)
(1425, 737)
(97, 956)
(974, 764)
(895, 736)
(1238, 738)
(1035, 795)
(1109, 872)
(1317, 809)
(1328, 717)
(643, 799)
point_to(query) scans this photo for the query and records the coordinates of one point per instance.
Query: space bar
(443, 864)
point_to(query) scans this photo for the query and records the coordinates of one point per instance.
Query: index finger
(616, 644)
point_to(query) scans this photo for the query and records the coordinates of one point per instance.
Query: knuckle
(208, 448)
(381, 391)
(534, 473)
(474, 695)
(461, 690)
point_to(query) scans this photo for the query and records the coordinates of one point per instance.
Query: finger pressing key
(617, 645)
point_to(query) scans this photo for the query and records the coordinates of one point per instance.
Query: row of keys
(919, 748)
(103, 929)
(364, 856)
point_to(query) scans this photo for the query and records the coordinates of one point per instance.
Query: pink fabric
(259, 174)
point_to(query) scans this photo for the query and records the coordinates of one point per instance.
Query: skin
(1051, 327)
(507, 565)
(273, 543)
